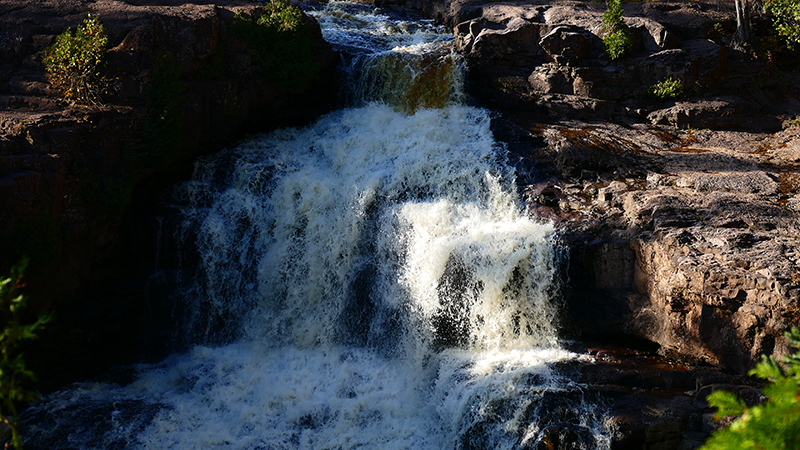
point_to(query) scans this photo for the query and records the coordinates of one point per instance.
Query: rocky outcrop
(564, 42)
(680, 242)
(75, 181)
(548, 57)
(688, 239)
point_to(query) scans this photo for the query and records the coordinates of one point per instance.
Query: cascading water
(368, 281)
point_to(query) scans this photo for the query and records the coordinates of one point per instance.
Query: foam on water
(361, 28)
(398, 61)
(374, 213)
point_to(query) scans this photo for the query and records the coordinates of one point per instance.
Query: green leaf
(13, 370)
(773, 425)
(728, 403)
(768, 369)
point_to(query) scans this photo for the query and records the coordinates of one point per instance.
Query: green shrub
(617, 37)
(280, 44)
(773, 425)
(281, 16)
(74, 62)
(13, 372)
(666, 89)
(787, 19)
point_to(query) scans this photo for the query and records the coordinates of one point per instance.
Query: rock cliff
(75, 181)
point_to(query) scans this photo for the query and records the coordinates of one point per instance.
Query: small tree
(13, 372)
(74, 62)
(773, 425)
(617, 37)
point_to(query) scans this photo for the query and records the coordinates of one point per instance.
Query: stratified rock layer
(549, 58)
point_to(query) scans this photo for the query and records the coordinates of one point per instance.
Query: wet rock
(654, 402)
(558, 437)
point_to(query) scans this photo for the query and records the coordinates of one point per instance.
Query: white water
(369, 281)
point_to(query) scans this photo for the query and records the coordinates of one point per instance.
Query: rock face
(684, 238)
(564, 53)
(687, 239)
(548, 57)
(75, 180)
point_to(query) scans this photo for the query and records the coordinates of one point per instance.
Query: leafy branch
(13, 372)
(773, 425)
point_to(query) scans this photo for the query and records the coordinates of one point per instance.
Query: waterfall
(368, 281)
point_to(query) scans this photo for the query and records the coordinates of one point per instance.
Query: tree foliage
(13, 372)
(73, 63)
(773, 425)
(787, 19)
(617, 37)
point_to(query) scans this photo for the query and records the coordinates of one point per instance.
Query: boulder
(550, 78)
(723, 112)
(569, 45)
(499, 44)
(654, 36)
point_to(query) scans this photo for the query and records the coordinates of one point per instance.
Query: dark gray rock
(569, 45)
